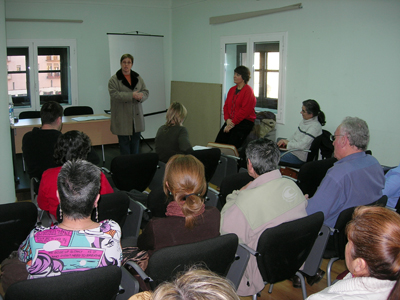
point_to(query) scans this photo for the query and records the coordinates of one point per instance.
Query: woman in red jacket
(239, 114)
(71, 145)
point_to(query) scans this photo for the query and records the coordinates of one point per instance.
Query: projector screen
(148, 55)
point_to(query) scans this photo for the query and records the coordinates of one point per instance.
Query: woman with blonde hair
(372, 257)
(196, 284)
(187, 220)
(172, 138)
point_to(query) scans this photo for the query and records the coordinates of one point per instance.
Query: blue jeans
(291, 158)
(129, 144)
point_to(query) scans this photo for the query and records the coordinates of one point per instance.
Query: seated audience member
(372, 257)
(77, 243)
(355, 179)
(172, 138)
(392, 187)
(38, 144)
(196, 284)
(70, 145)
(265, 202)
(187, 220)
(309, 128)
(239, 114)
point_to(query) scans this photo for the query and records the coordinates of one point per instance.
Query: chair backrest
(314, 149)
(217, 254)
(284, 248)
(131, 228)
(112, 206)
(16, 222)
(95, 284)
(339, 236)
(311, 174)
(134, 171)
(231, 183)
(326, 145)
(78, 110)
(158, 177)
(29, 114)
(210, 159)
(381, 201)
(225, 148)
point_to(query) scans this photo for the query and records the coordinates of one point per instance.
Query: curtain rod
(247, 15)
(45, 20)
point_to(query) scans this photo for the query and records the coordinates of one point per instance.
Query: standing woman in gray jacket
(127, 92)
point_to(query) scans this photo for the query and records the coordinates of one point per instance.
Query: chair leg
(255, 296)
(23, 163)
(104, 157)
(328, 270)
(271, 286)
(303, 284)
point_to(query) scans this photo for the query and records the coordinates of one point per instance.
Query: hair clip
(184, 198)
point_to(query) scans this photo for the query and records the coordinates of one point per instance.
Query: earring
(97, 215)
(61, 215)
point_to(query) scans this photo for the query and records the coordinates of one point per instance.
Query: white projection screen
(148, 54)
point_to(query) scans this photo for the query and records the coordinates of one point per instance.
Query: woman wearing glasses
(309, 128)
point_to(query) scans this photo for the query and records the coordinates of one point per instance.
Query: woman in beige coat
(127, 92)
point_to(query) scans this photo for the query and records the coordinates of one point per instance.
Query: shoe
(316, 278)
(296, 281)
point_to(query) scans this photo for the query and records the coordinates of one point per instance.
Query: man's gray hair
(356, 131)
(264, 155)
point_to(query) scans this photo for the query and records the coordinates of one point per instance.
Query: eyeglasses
(333, 136)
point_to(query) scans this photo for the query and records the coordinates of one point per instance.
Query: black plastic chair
(283, 249)
(337, 241)
(16, 222)
(210, 159)
(29, 114)
(114, 206)
(311, 174)
(134, 171)
(78, 110)
(96, 284)
(231, 183)
(217, 254)
(321, 143)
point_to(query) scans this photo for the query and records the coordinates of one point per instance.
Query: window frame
(33, 68)
(282, 38)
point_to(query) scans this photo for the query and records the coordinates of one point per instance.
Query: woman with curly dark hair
(70, 146)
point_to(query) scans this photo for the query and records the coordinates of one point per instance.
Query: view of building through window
(49, 81)
(39, 71)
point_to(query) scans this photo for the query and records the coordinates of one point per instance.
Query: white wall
(342, 53)
(91, 36)
(6, 172)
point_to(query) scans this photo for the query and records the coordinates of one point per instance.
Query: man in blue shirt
(355, 179)
(392, 187)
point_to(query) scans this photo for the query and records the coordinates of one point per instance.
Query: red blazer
(241, 106)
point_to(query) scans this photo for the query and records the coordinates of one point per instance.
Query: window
(267, 64)
(41, 71)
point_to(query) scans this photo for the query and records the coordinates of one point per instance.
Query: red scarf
(174, 209)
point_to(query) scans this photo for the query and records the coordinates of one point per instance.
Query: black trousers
(236, 135)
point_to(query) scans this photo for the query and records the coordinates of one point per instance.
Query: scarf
(174, 209)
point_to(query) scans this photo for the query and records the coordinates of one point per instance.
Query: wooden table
(98, 130)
